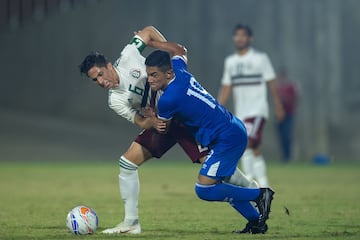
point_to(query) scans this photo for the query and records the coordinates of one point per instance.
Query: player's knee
(204, 192)
(137, 154)
(201, 192)
(253, 144)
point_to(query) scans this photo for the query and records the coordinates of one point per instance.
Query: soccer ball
(82, 220)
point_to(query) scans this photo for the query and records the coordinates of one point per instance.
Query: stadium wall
(42, 88)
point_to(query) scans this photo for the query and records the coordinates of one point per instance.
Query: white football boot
(124, 228)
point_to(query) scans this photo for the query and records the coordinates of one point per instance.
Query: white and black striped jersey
(248, 74)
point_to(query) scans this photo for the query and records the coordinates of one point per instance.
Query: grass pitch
(35, 198)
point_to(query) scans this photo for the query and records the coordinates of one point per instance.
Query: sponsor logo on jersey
(135, 73)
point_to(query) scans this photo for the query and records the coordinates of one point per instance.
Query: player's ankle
(131, 221)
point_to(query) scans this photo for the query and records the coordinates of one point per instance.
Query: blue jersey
(187, 101)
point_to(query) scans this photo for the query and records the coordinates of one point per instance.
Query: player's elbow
(149, 28)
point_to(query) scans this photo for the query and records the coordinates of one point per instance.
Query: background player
(289, 96)
(212, 125)
(248, 73)
(129, 93)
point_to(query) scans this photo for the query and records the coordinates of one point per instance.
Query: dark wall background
(49, 112)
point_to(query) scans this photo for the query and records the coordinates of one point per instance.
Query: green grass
(34, 200)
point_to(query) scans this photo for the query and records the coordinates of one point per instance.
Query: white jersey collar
(249, 52)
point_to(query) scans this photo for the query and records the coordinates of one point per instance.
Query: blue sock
(246, 209)
(225, 192)
(238, 197)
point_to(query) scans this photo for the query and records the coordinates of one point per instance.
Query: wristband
(138, 43)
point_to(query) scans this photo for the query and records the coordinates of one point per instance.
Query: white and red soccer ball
(82, 220)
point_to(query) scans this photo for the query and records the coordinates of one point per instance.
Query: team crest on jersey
(135, 73)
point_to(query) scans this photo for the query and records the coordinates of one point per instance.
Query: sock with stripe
(129, 189)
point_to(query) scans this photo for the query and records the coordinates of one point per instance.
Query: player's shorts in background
(254, 128)
(158, 144)
(225, 154)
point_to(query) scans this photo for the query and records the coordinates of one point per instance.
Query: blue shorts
(226, 152)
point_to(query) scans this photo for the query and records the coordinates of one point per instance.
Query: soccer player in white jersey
(247, 74)
(130, 96)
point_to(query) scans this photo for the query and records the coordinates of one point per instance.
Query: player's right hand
(161, 126)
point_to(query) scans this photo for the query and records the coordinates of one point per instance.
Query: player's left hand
(161, 126)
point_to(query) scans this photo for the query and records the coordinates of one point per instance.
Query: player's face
(241, 39)
(157, 78)
(105, 77)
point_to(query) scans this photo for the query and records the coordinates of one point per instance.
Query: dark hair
(159, 59)
(244, 27)
(91, 60)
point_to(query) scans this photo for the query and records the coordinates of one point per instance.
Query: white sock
(247, 163)
(259, 169)
(239, 179)
(129, 189)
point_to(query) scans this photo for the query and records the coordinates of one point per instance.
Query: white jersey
(248, 75)
(132, 93)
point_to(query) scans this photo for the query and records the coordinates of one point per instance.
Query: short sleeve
(268, 70)
(226, 79)
(179, 63)
(166, 108)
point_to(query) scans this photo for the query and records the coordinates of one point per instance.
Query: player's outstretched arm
(150, 33)
(172, 48)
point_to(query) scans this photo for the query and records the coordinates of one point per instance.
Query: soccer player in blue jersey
(185, 100)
